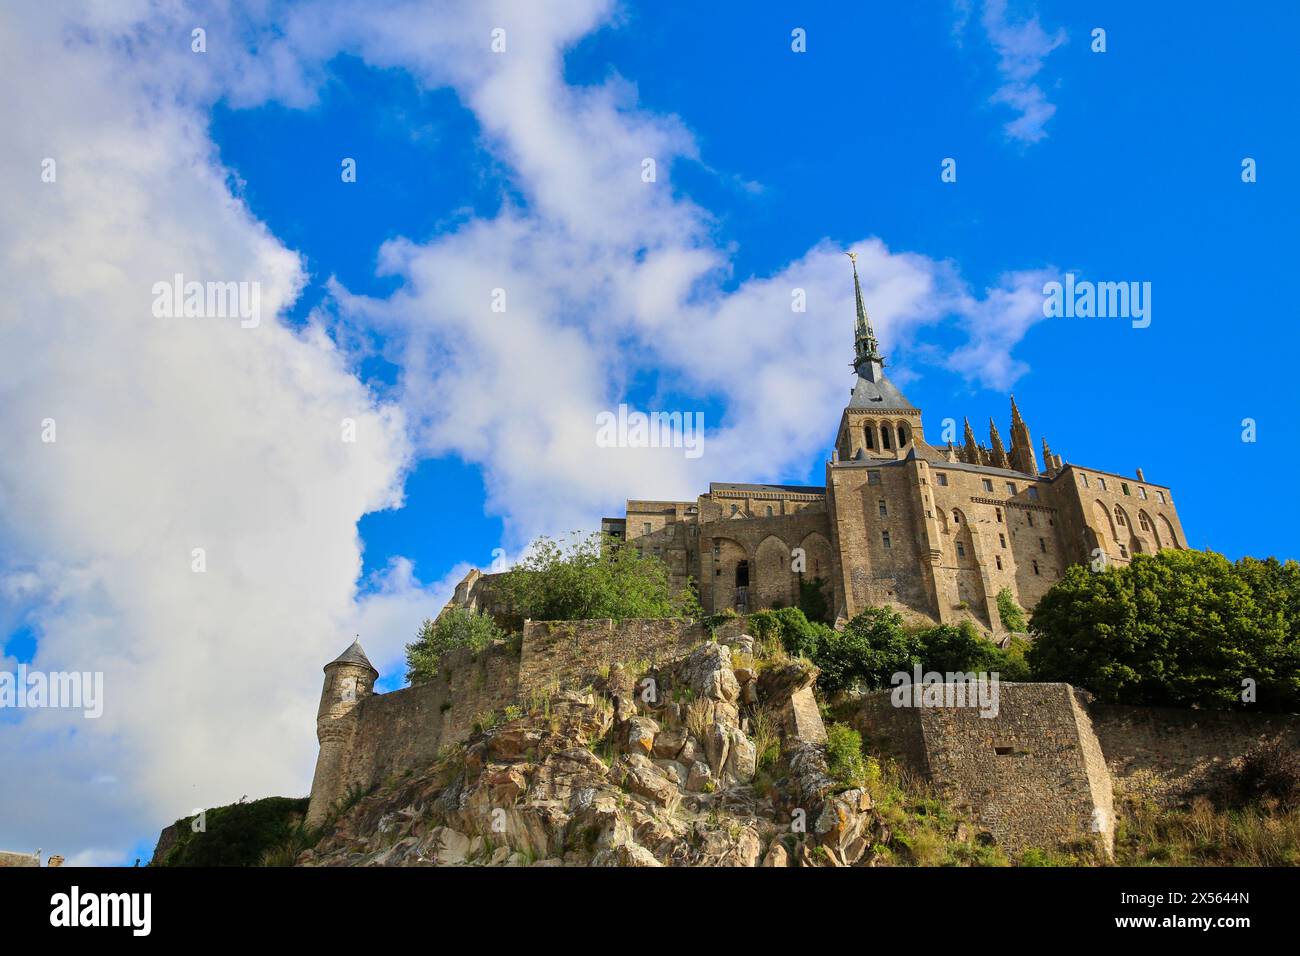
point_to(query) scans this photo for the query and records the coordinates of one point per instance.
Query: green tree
(812, 599)
(455, 627)
(589, 577)
(872, 647)
(1177, 628)
(960, 648)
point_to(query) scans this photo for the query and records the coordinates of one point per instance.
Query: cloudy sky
(180, 506)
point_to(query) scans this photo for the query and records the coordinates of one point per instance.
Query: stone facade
(935, 532)
(367, 738)
(1053, 765)
(1033, 775)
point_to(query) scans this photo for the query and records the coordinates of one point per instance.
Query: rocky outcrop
(660, 769)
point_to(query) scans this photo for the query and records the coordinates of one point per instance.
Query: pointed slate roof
(873, 389)
(353, 655)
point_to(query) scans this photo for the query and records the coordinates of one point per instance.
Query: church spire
(1022, 446)
(997, 452)
(970, 451)
(867, 359)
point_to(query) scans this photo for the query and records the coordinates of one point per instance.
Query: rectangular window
(1123, 486)
(961, 550)
(884, 539)
(1002, 540)
(1161, 496)
(988, 485)
(1029, 516)
(884, 511)
(1142, 493)
(941, 478)
(999, 514)
(645, 528)
(998, 559)
(1035, 567)
(1123, 551)
(1011, 487)
(1042, 545)
(873, 476)
(1084, 479)
(1033, 494)
(1102, 482)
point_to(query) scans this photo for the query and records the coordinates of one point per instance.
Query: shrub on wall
(1011, 613)
(455, 627)
(1177, 628)
(588, 577)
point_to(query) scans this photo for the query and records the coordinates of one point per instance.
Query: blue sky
(521, 170)
(1136, 178)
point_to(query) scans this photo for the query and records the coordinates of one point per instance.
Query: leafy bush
(455, 627)
(1177, 628)
(791, 628)
(589, 577)
(871, 648)
(1011, 614)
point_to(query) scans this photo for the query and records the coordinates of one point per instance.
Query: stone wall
(1052, 762)
(571, 653)
(383, 736)
(1172, 755)
(404, 729)
(1033, 775)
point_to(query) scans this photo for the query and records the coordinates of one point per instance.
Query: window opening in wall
(873, 476)
(941, 478)
(999, 513)
(769, 511)
(988, 484)
(871, 438)
(884, 539)
(961, 550)
(884, 510)
(998, 559)
(1003, 751)
(1035, 567)
(1011, 487)
(1002, 540)
(742, 574)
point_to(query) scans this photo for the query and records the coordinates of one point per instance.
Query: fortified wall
(1050, 767)
(368, 738)
(1053, 765)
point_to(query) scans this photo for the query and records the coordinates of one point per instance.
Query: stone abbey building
(935, 532)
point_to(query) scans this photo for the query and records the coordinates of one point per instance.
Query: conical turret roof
(354, 655)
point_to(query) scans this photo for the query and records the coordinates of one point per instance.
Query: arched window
(956, 516)
(902, 435)
(870, 432)
(1144, 521)
(769, 511)
(884, 437)
(1119, 516)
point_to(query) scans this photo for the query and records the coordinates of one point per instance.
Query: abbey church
(935, 532)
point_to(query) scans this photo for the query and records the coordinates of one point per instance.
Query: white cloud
(1022, 46)
(179, 434)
